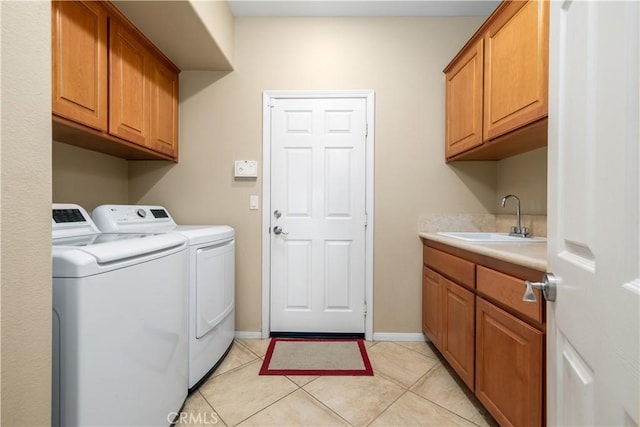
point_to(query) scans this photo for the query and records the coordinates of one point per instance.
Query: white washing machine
(119, 324)
(211, 278)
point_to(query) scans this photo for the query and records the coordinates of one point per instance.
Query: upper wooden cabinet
(79, 59)
(496, 87)
(138, 116)
(128, 85)
(464, 101)
(163, 108)
(516, 71)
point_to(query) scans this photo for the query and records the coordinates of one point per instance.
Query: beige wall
(88, 178)
(401, 59)
(218, 20)
(25, 218)
(525, 176)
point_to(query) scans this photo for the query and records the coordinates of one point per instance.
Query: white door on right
(593, 244)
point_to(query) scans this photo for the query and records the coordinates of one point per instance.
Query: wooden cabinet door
(516, 46)
(432, 306)
(464, 101)
(79, 62)
(509, 362)
(164, 108)
(458, 337)
(129, 60)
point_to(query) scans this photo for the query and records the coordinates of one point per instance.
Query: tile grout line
(445, 408)
(248, 349)
(212, 408)
(323, 405)
(405, 391)
(268, 406)
(433, 368)
(404, 388)
(237, 367)
(272, 403)
(395, 381)
(415, 351)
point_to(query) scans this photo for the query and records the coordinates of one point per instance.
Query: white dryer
(119, 324)
(211, 279)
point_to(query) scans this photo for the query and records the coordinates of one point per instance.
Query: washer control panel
(68, 220)
(135, 218)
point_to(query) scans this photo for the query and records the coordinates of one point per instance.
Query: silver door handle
(278, 230)
(548, 288)
(277, 213)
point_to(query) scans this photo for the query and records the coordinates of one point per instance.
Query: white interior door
(593, 335)
(318, 215)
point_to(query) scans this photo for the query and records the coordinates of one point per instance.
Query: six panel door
(318, 174)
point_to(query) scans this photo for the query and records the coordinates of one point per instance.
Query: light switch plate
(253, 203)
(246, 169)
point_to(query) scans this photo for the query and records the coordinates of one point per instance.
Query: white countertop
(531, 255)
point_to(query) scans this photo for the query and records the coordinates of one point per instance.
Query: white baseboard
(248, 335)
(393, 336)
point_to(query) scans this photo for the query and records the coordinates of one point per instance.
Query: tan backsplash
(432, 223)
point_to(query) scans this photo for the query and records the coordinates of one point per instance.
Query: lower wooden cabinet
(475, 317)
(458, 313)
(431, 306)
(509, 360)
(448, 319)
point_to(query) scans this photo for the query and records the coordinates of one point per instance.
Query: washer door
(215, 284)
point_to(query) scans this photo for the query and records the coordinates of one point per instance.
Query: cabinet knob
(548, 288)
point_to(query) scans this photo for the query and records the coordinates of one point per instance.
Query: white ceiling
(362, 7)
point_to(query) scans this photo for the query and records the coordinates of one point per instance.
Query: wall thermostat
(246, 169)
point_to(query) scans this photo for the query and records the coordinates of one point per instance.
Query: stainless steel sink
(480, 237)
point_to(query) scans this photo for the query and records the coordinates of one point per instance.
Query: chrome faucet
(517, 230)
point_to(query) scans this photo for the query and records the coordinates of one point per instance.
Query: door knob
(278, 230)
(277, 213)
(548, 288)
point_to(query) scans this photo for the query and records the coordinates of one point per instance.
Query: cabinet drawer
(458, 269)
(508, 290)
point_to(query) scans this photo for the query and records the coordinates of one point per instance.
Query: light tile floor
(411, 386)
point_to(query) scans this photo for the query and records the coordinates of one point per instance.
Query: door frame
(267, 96)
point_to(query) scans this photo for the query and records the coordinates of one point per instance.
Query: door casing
(267, 96)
